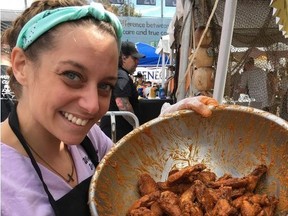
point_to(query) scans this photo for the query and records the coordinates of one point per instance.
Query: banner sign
(153, 74)
(146, 30)
(170, 3)
(146, 2)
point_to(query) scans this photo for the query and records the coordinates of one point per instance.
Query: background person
(6, 94)
(254, 80)
(140, 84)
(139, 80)
(51, 144)
(125, 94)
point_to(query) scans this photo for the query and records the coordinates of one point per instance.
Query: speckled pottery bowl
(235, 139)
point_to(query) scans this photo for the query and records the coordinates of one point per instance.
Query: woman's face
(68, 90)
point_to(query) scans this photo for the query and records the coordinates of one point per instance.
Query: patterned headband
(48, 19)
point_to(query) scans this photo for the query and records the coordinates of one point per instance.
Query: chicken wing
(142, 211)
(253, 178)
(177, 188)
(169, 202)
(224, 208)
(146, 184)
(250, 209)
(156, 209)
(145, 201)
(183, 174)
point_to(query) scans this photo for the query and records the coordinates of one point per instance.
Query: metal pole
(163, 64)
(162, 9)
(184, 52)
(129, 8)
(224, 50)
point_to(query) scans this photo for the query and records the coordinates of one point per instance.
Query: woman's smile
(75, 120)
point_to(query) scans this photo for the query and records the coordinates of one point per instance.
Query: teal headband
(48, 19)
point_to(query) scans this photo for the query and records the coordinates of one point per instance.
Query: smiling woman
(47, 120)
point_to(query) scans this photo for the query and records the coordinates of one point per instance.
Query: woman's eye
(105, 87)
(72, 75)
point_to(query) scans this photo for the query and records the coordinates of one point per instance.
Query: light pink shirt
(22, 192)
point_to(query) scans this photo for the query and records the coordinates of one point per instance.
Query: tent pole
(163, 64)
(224, 50)
(184, 51)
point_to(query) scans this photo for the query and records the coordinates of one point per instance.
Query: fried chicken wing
(142, 211)
(237, 192)
(253, 178)
(183, 174)
(261, 199)
(169, 202)
(223, 208)
(270, 208)
(224, 177)
(230, 182)
(204, 196)
(250, 209)
(206, 176)
(187, 200)
(178, 188)
(193, 210)
(145, 201)
(146, 184)
(221, 193)
(249, 182)
(156, 209)
(239, 200)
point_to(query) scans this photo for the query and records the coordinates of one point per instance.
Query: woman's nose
(90, 100)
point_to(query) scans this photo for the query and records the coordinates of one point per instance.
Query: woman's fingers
(208, 101)
(200, 104)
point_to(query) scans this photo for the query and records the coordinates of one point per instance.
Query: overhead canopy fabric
(255, 25)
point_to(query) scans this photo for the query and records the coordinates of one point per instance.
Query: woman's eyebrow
(74, 64)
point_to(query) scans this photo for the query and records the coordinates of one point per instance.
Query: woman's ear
(18, 62)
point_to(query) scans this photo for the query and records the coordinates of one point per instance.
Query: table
(150, 108)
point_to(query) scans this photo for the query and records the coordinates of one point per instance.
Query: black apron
(76, 201)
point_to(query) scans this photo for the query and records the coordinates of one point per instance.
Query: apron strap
(90, 150)
(86, 144)
(14, 124)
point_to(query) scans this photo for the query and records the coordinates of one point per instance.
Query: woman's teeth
(74, 119)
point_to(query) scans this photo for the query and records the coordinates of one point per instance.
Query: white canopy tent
(163, 47)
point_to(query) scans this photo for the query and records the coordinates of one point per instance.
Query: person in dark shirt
(124, 95)
(6, 93)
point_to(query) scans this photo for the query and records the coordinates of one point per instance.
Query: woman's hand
(199, 104)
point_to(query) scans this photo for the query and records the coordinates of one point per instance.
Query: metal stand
(112, 115)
